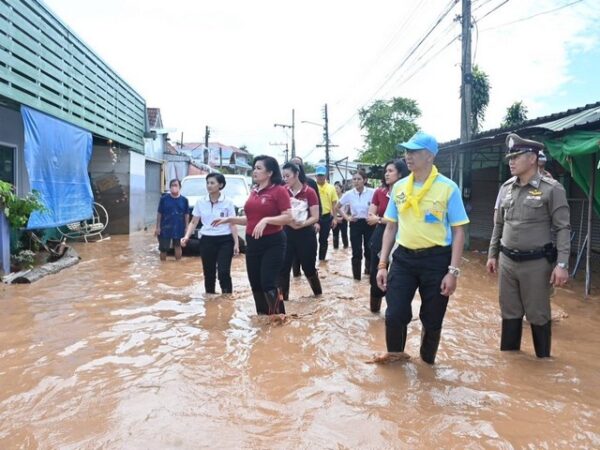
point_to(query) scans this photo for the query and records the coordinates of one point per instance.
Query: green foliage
(516, 114)
(16, 209)
(480, 97)
(387, 123)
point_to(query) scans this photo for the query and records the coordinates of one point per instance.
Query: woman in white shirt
(358, 200)
(218, 243)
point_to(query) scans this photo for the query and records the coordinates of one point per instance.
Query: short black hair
(219, 177)
(175, 181)
(362, 173)
(272, 166)
(297, 169)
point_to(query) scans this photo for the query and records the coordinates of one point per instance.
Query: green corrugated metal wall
(45, 66)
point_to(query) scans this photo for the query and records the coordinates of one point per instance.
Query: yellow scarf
(414, 200)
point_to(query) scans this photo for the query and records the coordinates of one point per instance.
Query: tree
(516, 114)
(387, 123)
(480, 97)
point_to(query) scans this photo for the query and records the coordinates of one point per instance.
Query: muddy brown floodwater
(123, 352)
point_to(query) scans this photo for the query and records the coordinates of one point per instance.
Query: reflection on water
(122, 351)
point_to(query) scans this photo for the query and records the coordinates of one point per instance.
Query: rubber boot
(430, 341)
(226, 290)
(375, 304)
(395, 338)
(367, 266)
(274, 303)
(356, 268)
(284, 283)
(315, 284)
(512, 330)
(542, 339)
(260, 300)
(296, 268)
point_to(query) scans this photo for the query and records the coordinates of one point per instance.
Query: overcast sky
(239, 66)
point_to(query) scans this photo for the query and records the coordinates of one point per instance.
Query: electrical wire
(494, 9)
(414, 49)
(523, 19)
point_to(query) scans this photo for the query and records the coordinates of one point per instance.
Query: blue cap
(321, 170)
(420, 141)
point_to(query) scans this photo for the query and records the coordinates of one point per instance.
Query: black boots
(430, 340)
(260, 300)
(356, 268)
(268, 303)
(274, 303)
(315, 284)
(284, 285)
(542, 337)
(395, 338)
(367, 266)
(296, 268)
(375, 304)
(511, 334)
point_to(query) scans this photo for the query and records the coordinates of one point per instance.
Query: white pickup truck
(236, 188)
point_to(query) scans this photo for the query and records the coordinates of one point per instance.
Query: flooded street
(123, 352)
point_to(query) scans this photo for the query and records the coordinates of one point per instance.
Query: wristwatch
(563, 266)
(454, 271)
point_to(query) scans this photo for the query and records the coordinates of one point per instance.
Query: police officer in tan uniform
(531, 208)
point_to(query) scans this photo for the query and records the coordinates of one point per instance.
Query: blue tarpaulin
(57, 155)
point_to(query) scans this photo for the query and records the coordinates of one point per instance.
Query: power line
(495, 9)
(440, 18)
(523, 19)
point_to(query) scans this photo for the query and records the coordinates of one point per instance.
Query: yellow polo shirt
(328, 197)
(441, 208)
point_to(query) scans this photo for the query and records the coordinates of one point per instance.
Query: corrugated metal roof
(571, 118)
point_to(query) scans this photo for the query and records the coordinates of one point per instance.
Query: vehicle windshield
(235, 188)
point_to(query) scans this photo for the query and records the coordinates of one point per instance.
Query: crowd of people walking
(406, 234)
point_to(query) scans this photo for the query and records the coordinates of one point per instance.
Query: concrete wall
(12, 135)
(155, 148)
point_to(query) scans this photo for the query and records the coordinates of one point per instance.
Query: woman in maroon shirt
(301, 237)
(268, 210)
(392, 172)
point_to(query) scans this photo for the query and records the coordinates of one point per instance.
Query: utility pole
(293, 133)
(466, 114)
(293, 128)
(281, 144)
(206, 149)
(327, 144)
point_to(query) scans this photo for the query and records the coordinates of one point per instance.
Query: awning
(243, 165)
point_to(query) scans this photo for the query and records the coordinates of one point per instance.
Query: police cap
(516, 145)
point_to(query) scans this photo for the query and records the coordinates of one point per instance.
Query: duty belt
(548, 251)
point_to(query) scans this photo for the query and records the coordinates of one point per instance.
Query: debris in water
(388, 358)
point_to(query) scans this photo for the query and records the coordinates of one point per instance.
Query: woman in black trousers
(392, 172)
(267, 210)
(218, 244)
(301, 237)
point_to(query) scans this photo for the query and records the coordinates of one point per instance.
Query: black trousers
(412, 271)
(376, 241)
(342, 228)
(360, 236)
(301, 246)
(216, 253)
(325, 223)
(264, 258)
